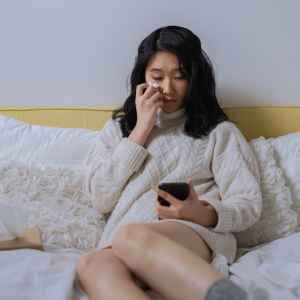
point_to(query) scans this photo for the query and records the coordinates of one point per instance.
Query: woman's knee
(133, 238)
(92, 261)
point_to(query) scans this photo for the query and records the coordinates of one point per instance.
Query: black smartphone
(179, 190)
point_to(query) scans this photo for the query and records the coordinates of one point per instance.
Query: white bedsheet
(50, 275)
(274, 268)
(34, 275)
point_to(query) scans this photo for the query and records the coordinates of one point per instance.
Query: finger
(157, 207)
(157, 97)
(156, 100)
(166, 212)
(140, 88)
(160, 209)
(157, 204)
(192, 189)
(159, 104)
(150, 91)
(172, 200)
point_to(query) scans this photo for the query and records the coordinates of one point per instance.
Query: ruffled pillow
(287, 156)
(57, 197)
(277, 219)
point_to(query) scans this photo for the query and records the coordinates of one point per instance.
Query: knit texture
(119, 175)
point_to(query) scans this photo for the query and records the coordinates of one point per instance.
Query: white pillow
(42, 144)
(56, 195)
(277, 219)
(287, 155)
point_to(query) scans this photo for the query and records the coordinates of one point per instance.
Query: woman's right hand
(147, 105)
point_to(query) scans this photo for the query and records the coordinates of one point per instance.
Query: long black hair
(200, 103)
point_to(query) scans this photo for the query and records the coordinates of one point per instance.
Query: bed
(42, 149)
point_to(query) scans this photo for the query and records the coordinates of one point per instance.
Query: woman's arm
(237, 181)
(110, 163)
(113, 159)
(237, 176)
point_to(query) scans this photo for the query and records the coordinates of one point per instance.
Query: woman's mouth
(168, 101)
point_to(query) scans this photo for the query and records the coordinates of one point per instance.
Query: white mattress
(273, 272)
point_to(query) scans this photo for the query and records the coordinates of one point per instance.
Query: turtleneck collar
(164, 119)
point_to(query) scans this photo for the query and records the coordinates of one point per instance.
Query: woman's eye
(159, 78)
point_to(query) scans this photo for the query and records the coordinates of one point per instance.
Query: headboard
(253, 121)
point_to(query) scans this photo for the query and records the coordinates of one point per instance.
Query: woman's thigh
(148, 249)
(180, 234)
(183, 235)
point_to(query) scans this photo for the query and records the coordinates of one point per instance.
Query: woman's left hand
(191, 209)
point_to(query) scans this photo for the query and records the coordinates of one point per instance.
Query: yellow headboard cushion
(253, 121)
(266, 121)
(92, 118)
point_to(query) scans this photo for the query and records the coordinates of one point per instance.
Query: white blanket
(50, 275)
(31, 274)
(273, 268)
(35, 275)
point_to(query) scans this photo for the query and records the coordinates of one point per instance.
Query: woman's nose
(167, 87)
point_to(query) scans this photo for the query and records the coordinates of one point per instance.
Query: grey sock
(225, 289)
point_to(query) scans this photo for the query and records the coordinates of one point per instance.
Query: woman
(174, 132)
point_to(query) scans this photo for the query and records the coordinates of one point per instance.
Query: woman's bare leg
(105, 277)
(169, 257)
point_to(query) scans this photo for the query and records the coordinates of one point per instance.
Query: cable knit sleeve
(237, 175)
(109, 164)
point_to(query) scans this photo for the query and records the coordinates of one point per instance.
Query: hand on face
(147, 105)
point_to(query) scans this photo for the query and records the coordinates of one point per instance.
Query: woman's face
(162, 69)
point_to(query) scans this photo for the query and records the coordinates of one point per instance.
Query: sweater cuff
(130, 154)
(224, 215)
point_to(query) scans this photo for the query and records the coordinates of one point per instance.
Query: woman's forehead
(162, 61)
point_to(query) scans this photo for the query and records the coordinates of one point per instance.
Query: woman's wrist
(212, 215)
(206, 216)
(139, 136)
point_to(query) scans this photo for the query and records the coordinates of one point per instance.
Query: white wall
(80, 52)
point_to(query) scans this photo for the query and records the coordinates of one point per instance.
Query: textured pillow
(277, 219)
(287, 156)
(56, 195)
(42, 144)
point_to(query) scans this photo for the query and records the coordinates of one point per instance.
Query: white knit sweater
(224, 172)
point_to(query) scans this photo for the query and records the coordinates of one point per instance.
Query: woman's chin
(170, 109)
(167, 110)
